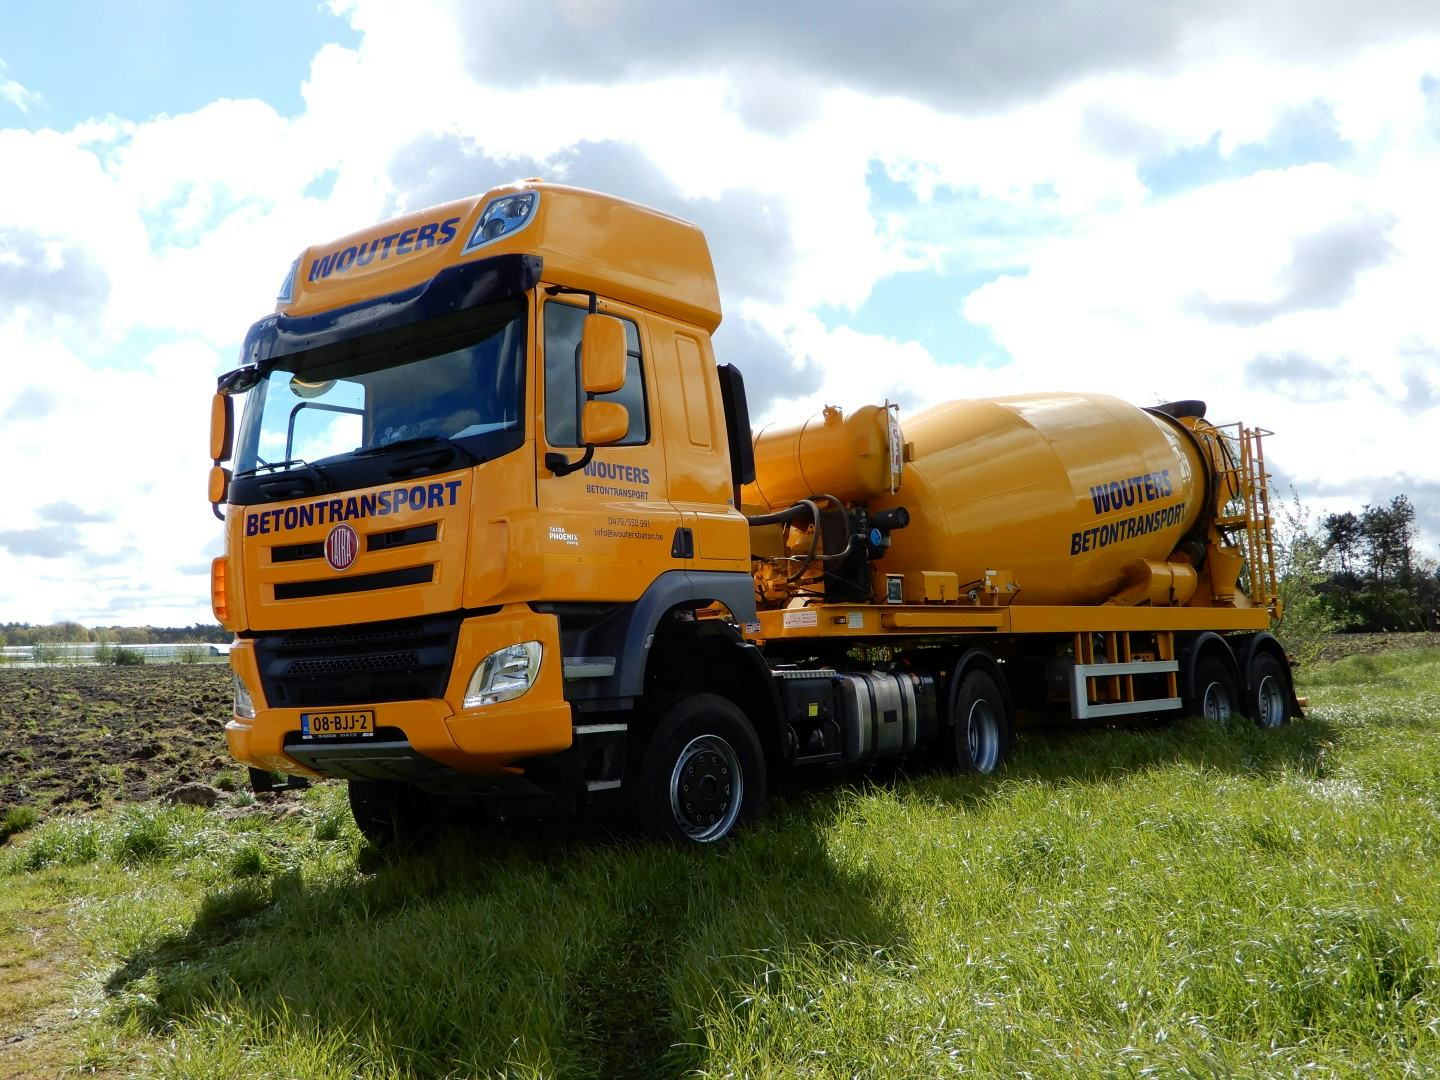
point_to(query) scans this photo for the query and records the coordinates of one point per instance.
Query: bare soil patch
(1339, 646)
(78, 738)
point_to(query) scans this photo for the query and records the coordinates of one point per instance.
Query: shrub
(127, 658)
(249, 861)
(17, 819)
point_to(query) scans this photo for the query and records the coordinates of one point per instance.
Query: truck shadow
(1069, 754)
(531, 951)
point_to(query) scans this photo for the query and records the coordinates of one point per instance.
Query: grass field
(1190, 899)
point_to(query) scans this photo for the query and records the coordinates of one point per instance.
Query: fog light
(504, 674)
(244, 703)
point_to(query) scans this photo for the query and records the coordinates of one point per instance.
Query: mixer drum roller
(1065, 491)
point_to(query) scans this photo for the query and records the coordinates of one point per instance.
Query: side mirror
(222, 427)
(222, 439)
(604, 422)
(602, 355)
(219, 484)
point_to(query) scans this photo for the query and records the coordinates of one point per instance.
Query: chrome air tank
(1063, 491)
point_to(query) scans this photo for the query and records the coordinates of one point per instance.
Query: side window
(563, 326)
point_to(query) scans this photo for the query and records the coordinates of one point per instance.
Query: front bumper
(415, 737)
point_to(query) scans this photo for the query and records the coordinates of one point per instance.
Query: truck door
(697, 466)
(608, 529)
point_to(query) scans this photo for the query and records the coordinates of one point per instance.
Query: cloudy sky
(1234, 201)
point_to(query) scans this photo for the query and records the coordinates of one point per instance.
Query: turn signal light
(219, 583)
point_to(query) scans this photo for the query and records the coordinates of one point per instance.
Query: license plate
(346, 722)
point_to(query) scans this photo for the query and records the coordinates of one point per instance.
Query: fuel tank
(1066, 492)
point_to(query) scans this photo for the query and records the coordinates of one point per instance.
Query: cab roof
(586, 240)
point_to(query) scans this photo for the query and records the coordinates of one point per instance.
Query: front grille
(416, 534)
(315, 549)
(403, 660)
(335, 586)
(350, 665)
(297, 552)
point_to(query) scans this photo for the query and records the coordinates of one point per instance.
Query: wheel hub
(982, 735)
(1271, 700)
(706, 788)
(1216, 704)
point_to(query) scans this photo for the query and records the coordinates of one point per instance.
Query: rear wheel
(388, 813)
(984, 730)
(1267, 701)
(701, 773)
(1215, 695)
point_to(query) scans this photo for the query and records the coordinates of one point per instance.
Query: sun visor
(454, 289)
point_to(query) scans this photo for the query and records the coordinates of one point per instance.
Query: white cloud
(17, 95)
(1019, 146)
(105, 477)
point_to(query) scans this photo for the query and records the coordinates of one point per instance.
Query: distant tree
(1387, 532)
(1305, 618)
(1342, 539)
(1375, 580)
(1425, 590)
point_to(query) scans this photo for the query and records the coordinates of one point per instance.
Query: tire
(1267, 700)
(983, 728)
(701, 774)
(389, 814)
(1215, 695)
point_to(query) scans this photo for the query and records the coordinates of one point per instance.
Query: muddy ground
(77, 738)
(1338, 646)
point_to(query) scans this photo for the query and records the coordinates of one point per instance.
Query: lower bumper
(422, 737)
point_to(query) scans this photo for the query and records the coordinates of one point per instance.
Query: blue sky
(141, 58)
(1226, 201)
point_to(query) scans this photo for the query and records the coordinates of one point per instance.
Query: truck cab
(485, 452)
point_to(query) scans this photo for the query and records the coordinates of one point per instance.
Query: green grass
(1191, 899)
(17, 819)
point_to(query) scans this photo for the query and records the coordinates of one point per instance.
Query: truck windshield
(354, 399)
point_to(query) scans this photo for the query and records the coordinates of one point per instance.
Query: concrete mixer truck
(498, 529)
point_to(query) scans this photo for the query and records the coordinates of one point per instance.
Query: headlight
(244, 703)
(504, 674)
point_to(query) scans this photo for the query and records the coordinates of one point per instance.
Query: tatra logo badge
(341, 546)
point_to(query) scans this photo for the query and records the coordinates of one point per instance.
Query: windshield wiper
(400, 444)
(433, 450)
(305, 483)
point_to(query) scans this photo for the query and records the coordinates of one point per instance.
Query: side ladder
(1248, 521)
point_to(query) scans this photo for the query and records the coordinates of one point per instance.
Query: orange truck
(497, 529)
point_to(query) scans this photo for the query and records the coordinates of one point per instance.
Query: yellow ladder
(1256, 528)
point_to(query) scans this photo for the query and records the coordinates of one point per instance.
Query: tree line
(16, 633)
(1357, 572)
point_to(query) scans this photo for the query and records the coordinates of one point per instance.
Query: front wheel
(701, 773)
(388, 813)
